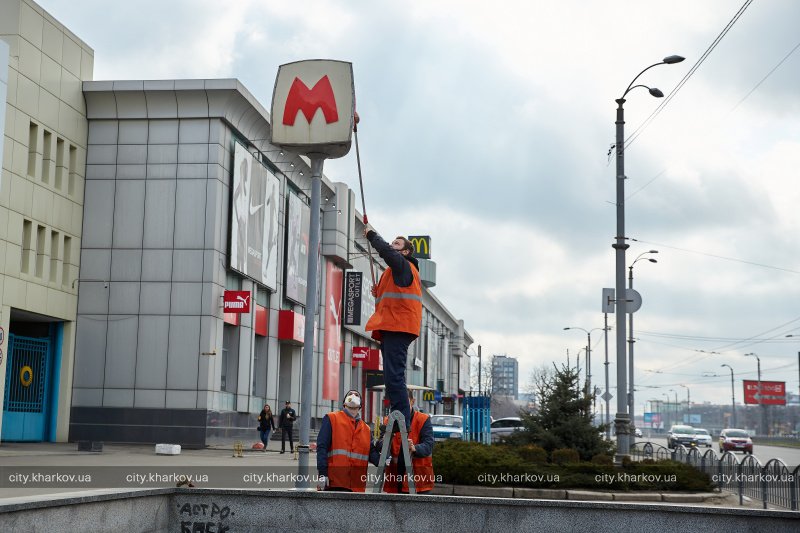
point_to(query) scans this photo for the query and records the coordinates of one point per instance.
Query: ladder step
(396, 418)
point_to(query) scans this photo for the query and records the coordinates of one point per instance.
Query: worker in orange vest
(420, 446)
(398, 314)
(344, 448)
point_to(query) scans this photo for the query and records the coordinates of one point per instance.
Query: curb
(577, 495)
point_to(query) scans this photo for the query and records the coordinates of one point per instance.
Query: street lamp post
(666, 410)
(733, 395)
(688, 405)
(758, 394)
(622, 419)
(588, 354)
(630, 337)
(798, 365)
(675, 415)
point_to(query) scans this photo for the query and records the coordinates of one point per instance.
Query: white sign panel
(313, 106)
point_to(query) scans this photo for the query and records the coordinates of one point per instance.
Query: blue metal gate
(26, 401)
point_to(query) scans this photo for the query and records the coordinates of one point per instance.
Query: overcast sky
(487, 125)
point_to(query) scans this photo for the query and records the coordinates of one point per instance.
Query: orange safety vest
(348, 457)
(397, 308)
(423, 466)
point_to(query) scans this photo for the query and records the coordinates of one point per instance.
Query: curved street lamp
(588, 353)
(758, 394)
(733, 395)
(622, 418)
(640, 257)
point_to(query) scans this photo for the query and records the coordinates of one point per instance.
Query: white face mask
(352, 400)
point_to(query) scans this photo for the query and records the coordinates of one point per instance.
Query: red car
(735, 440)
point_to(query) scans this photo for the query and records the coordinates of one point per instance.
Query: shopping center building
(133, 208)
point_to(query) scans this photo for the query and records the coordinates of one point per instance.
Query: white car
(502, 427)
(703, 438)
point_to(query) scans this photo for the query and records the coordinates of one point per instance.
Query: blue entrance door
(26, 402)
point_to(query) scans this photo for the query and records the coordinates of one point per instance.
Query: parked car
(502, 427)
(446, 427)
(637, 432)
(734, 440)
(703, 437)
(681, 435)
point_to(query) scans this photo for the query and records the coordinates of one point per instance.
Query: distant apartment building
(505, 376)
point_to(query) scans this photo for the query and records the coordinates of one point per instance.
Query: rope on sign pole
(363, 203)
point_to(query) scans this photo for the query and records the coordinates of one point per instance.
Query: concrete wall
(41, 189)
(179, 510)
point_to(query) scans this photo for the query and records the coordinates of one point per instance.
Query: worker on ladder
(420, 443)
(398, 314)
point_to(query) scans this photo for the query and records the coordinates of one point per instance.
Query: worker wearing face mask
(345, 448)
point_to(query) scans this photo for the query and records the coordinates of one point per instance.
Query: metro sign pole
(316, 122)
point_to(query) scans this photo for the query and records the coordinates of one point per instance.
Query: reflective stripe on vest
(399, 296)
(351, 455)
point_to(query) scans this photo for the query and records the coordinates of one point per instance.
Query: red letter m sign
(301, 98)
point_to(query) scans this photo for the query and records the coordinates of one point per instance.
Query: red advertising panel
(291, 327)
(236, 302)
(772, 392)
(262, 321)
(374, 360)
(332, 346)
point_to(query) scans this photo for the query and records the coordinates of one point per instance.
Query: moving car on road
(703, 437)
(446, 427)
(681, 435)
(734, 440)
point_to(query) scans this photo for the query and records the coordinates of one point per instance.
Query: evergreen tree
(564, 418)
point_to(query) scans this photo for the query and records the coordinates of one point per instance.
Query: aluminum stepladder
(395, 417)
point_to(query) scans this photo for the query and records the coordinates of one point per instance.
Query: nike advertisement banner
(298, 225)
(254, 219)
(332, 347)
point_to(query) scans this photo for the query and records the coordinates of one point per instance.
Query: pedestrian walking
(286, 422)
(266, 425)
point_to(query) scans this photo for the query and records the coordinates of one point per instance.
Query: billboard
(772, 392)
(254, 219)
(298, 225)
(332, 347)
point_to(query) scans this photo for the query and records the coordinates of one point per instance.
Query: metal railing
(772, 483)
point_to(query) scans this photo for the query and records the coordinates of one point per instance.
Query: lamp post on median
(688, 405)
(588, 354)
(666, 411)
(758, 394)
(798, 364)
(622, 418)
(733, 395)
(630, 337)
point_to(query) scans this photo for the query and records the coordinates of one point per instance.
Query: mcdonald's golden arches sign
(422, 246)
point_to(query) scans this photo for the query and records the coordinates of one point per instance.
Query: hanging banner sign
(332, 343)
(236, 301)
(352, 298)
